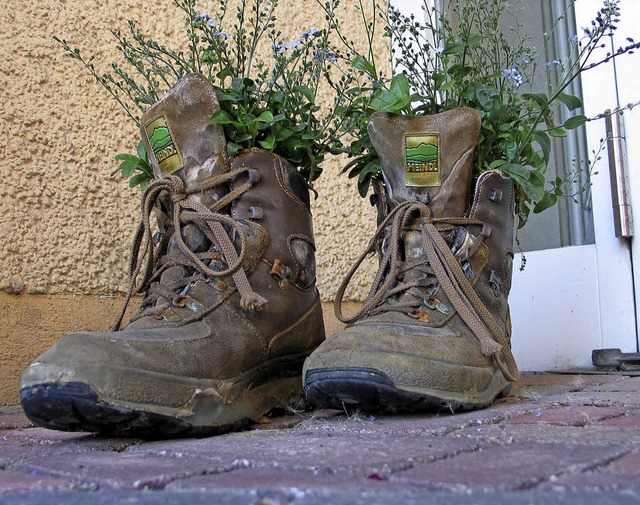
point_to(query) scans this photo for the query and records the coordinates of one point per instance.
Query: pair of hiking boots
(231, 316)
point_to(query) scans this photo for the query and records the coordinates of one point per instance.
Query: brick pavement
(556, 439)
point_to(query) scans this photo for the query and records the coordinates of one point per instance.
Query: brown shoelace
(441, 262)
(187, 209)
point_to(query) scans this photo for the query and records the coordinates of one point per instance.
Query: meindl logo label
(422, 159)
(163, 147)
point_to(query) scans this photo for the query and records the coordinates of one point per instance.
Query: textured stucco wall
(66, 224)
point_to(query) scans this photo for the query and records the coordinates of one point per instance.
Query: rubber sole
(76, 407)
(372, 390)
(200, 408)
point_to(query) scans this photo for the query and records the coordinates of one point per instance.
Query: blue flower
(332, 58)
(202, 16)
(280, 48)
(222, 35)
(212, 23)
(439, 49)
(293, 44)
(310, 33)
(514, 75)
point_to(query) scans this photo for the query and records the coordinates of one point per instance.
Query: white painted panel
(615, 275)
(554, 309)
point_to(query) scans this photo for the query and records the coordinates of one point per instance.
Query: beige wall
(66, 224)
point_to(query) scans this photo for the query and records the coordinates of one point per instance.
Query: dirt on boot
(230, 307)
(434, 330)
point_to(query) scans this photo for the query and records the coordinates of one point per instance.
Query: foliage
(270, 103)
(460, 56)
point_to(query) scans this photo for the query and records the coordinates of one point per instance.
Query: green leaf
(453, 49)
(575, 122)
(572, 102)
(361, 63)
(243, 116)
(265, 117)
(307, 92)
(222, 117)
(547, 201)
(485, 96)
(400, 87)
(384, 100)
(141, 150)
(514, 169)
(138, 180)
(364, 179)
(558, 132)
(527, 179)
(496, 164)
(269, 143)
(539, 98)
(543, 140)
(474, 40)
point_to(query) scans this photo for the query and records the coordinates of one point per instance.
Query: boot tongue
(178, 135)
(181, 141)
(427, 159)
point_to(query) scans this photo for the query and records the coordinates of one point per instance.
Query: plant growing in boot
(265, 102)
(440, 64)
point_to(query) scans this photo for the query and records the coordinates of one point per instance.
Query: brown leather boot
(230, 309)
(435, 329)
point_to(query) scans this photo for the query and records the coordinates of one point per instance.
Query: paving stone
(355, 453)
(117, 470)
(531, 386)
(554, 434)
(42, 435)
(15, 481)
(620, 474)
(435, 423)
(36, 443)
(13, 420)
(593, 398)
(631, 384)
(506, 467)
(568, 416)
(631, 420)
(289, 484)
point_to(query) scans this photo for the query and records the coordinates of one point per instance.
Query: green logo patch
(422, 159)
(163, 147)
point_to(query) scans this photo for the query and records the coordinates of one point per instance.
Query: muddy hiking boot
(230, 310)
(434, 330)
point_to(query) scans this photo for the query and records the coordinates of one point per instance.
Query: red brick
(14, 420)
(116, 470)
(568, 416)
(14, 481)
(506, 467)
(627, 385)
(295, 483)
(546, 382)
(621, 474)
(631, 420)
(628, 464)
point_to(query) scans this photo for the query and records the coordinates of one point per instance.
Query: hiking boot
(434, 330)
(230, 310)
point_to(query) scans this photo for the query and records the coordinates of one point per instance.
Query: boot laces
(149, 259)
(390, 292)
